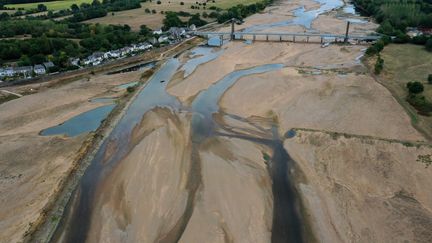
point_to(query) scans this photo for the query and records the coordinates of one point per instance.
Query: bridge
(284, 36)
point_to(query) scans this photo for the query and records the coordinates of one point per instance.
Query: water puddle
(127, 85)
(290, 134)
(349, 9)
(199, 55)
(85, 122)
(103, 100)
(356, 21)
(359, 57)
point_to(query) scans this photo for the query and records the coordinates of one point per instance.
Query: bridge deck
(285, 34)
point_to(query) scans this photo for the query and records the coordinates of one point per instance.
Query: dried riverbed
(207, 152)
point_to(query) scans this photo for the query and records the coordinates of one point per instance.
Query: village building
(94, 59)
(48, 65)
(9, 72)
(26, 71)
(39, 69)
(157, 32)
(176, 33)
(192, 27)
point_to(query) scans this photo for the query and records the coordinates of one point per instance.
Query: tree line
(396, 15)
(59, 41)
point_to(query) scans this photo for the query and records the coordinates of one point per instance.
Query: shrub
(130, 89)
(430, 79)
(158, 2)
(415, 87)
(379, 65)
(420, 103)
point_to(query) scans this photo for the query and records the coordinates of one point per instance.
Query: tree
(196, 20)
(41, 7)
(171, 20)
(24, 61)
(144, 30)
(429, 45)
(74, 8)
(415, 87)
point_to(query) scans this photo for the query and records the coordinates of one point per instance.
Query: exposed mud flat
(364, 190)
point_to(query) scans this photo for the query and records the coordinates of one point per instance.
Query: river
(287, 223)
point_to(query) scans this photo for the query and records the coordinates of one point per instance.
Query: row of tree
(396, 15)
(240, 11)
(79, 13)
(172, 20)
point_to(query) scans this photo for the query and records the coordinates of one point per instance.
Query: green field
(55, 5)
(224, 4)
(405, 63)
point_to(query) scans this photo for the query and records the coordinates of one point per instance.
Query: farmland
(55, 5)
(137, 17)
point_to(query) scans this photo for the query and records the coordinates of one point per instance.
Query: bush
(379, 65)
(130, 89)
(430, 79)
(420, 103)
(415, 87)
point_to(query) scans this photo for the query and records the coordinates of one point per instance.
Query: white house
(39, 69)
(48, 65)
(157, 32)
(26, 70)
(94, 59)
(192, 27)
(74, 61)
(9, 71)
(163, 39)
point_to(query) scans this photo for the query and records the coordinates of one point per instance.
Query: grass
(408, 63)
(224, 4)
(404, 63)
(55, 5)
